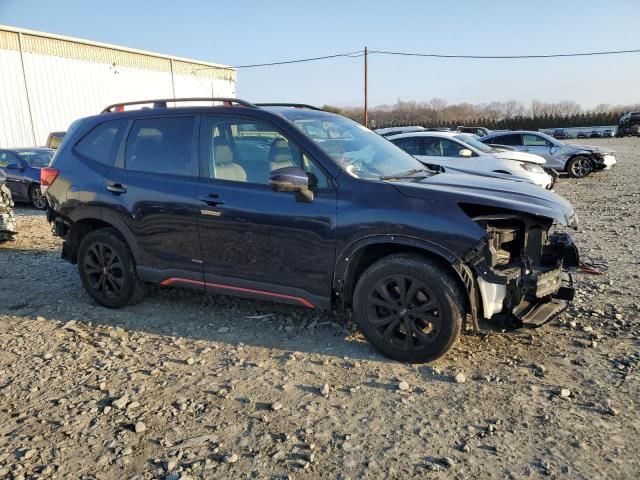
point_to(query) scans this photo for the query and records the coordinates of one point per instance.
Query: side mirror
(465, 152)
(15, 166)
(291, 179)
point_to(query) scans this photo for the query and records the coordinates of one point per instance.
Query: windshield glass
(37, 159)
(359, 151)
(471, 140)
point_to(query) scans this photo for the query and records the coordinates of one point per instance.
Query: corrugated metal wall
(46, 82)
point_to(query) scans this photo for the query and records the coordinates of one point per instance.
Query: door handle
(117, 188)
(211, 199)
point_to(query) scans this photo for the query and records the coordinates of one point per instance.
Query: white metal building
(47, 81)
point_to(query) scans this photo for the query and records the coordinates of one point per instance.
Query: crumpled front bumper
(535, 296)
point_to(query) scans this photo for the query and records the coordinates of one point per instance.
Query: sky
(242, 32)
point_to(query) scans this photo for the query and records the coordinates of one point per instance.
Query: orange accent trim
(171, 280)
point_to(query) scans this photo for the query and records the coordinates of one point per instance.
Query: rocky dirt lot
(191, 386)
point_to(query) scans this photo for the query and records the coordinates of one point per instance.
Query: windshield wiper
(408, 173)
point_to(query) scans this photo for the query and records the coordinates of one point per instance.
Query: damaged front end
(521, 269)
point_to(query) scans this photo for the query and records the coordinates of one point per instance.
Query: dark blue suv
(290, 203)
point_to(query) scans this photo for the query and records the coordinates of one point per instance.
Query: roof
(78, 48)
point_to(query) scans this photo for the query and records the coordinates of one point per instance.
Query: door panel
(251, 233)
(159, 209)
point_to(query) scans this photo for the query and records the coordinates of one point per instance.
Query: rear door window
(101, 143)
(162, 145)
(514, 139)
(411, 145)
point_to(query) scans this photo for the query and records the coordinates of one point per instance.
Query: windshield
(359, 151)
(38, 159)
(471, 140)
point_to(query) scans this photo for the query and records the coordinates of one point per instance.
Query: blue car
(22, 168)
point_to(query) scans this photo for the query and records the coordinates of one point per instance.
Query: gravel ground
(191, 386)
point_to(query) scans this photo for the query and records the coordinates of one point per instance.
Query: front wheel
(37, 198)
(409, 308)
(579, 167)
(107, 269)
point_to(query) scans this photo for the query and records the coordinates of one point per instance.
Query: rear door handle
(211, 199)
(117, 188)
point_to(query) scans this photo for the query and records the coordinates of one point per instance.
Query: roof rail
(162, 102)
(292, 105)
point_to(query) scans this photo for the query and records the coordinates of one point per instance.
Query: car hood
(570, 147)
(480, 190)
(520, 157)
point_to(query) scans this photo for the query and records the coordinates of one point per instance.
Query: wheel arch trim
(105, 216)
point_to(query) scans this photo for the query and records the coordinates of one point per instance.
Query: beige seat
(280, 154)
(223, 160)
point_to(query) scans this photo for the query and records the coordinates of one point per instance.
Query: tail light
(47, 177)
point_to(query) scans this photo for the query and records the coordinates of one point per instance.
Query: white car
(463, 152)
(387, 132)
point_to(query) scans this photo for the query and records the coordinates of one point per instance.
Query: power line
(360, 53)
(355, 54)
(484, 57)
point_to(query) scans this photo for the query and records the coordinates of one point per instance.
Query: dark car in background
(608, 133)
(479, 131)
(595, 134)
(298, 205)
(582, 134)
(22, 169)
(629, 125)
(561, 134)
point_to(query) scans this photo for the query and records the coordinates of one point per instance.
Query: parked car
(608, 133)
(629, 125)
(54, 139)
(302, 206)
(463, 152)
(595, 134)
(479, 131)
(577, 160)
(8, 226)
(385, 132)
(561, 134)
(582, 134)
(22, 168)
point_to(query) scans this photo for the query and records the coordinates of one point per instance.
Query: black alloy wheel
(103, 268)
(409, 307)
(107, 269)
(404, 312)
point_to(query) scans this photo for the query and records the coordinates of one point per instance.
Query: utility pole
(366, 88)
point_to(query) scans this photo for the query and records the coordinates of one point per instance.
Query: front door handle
(211, 199)
(117, 188)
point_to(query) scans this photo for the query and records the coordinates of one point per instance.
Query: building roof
(81, 49)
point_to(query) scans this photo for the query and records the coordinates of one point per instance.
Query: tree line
(511, 114)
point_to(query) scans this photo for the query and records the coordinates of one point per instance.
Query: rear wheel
(107, 269)
(37, 197)
(579, 167)
(409, 308)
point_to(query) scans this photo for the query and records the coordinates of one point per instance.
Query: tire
(104, 249)
(384, 315)
(579, 167)
(37, 197)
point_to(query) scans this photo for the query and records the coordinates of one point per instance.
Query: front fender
(355, 248)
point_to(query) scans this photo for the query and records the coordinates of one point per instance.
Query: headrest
(222, 152)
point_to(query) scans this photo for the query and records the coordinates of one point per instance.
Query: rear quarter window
(101, 143)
